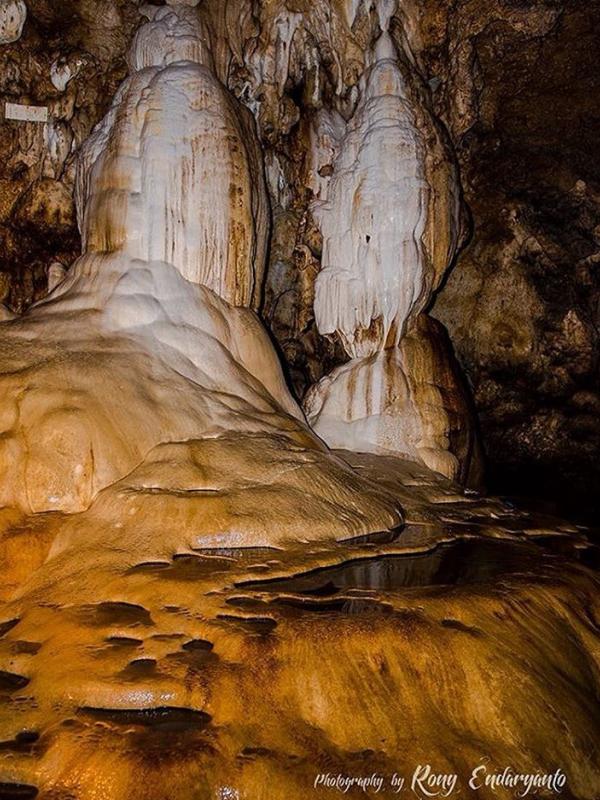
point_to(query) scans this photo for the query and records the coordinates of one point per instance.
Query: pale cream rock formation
(63, 70)
(387, 403)
(389, 210)
(391, 217)
(56, 275)
(146, 364)
(174, 172)
(58, 141)
(60, 75)
(13, 14)
(175, 34)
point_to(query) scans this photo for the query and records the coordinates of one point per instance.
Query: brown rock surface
(522, 303)
(169, 671)
(198, 598)
(37, 162)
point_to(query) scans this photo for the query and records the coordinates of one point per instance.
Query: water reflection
(465, 561)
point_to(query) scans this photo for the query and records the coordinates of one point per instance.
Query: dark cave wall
(37, 214)
(516, 84)
(522, 304)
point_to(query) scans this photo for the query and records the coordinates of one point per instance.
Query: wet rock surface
(262, 667)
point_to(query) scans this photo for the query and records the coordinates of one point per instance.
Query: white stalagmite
(388, 207)
(174, 172)
(145, 377)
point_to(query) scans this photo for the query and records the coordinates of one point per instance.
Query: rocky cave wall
(514, 84)
(522, 304)
(70, 58)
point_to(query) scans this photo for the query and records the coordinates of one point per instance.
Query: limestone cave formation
(299, 397)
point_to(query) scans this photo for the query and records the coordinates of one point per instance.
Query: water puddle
(111, 613)
(462, 562)
(10, 681)
(24, 742)
(5, 627)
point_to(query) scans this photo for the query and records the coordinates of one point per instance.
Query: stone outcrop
(408, 400)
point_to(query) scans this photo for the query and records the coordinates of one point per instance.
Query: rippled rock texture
(170, 671)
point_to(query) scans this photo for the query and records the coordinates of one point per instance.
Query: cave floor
(469, 633)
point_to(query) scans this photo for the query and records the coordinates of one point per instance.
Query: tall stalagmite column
(174, 173)
(146, 363)
(390, 217)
